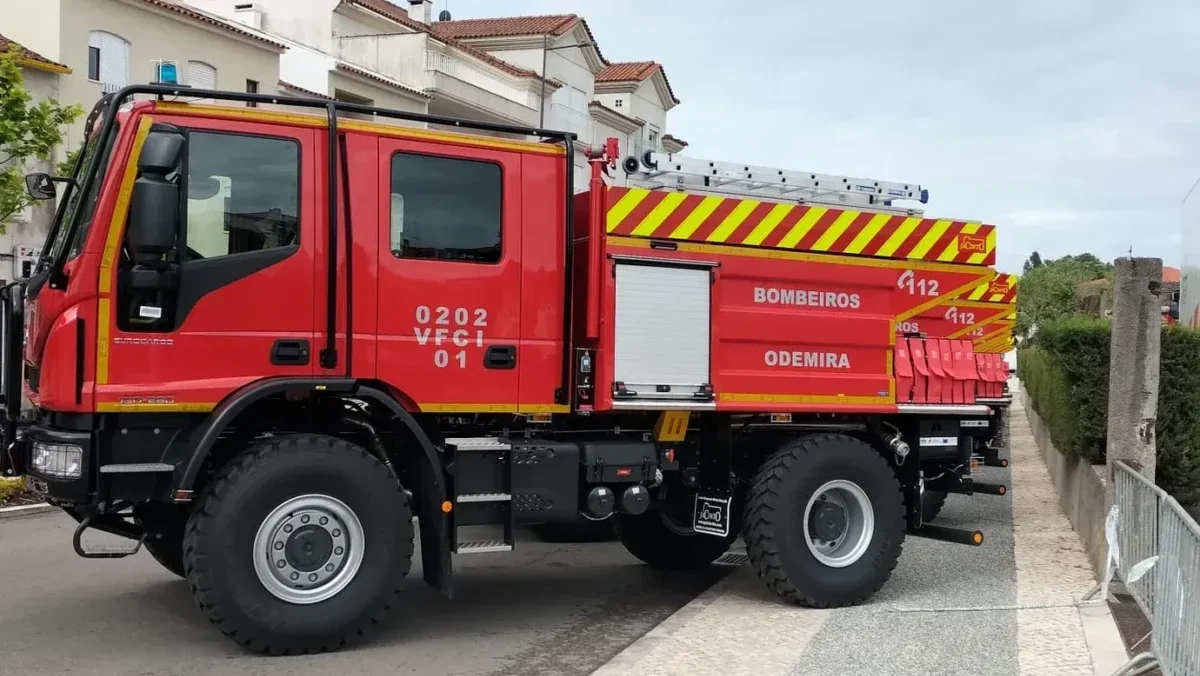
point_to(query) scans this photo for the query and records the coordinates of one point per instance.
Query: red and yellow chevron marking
(997, 337)
(1002, 289)
(636, 212)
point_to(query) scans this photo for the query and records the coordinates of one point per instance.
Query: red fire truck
(265, 345)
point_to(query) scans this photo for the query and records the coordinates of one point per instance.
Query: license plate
(711, 515)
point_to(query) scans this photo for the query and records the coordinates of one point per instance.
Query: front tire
(299, 545)
(825, 521)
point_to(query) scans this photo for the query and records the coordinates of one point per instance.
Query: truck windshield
(77, 202)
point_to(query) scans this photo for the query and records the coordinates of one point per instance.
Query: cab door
(241, 308)
(449, 275)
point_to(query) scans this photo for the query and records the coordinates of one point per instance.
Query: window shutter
(114, 57)
(201, 75)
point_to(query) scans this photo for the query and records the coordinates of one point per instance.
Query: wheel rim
(308, 549)
(839, 523)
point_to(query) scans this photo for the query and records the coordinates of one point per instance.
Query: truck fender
(435, 535)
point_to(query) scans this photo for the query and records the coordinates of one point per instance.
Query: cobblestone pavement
(1006, 608)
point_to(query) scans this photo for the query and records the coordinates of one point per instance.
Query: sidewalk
(1008, 607)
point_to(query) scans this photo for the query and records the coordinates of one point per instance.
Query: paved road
(545, 609)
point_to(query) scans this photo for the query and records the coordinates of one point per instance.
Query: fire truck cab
(263, 344)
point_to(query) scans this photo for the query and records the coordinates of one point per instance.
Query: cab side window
(446, 209)
(243, 194)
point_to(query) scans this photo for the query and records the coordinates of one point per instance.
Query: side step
(106, 551)
(958, 536)
(488, 502)
(483, 547)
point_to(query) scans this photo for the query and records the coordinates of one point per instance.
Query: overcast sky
(1073, 125)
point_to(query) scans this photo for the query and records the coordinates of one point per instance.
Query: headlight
(58, 460)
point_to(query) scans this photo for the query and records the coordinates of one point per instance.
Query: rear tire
(318, 506)
(931, 504)
(659, 541)
(845, 482)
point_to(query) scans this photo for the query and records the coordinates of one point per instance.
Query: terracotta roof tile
(362, 72)
(634, 71)
(676, 139)
(213, 21)
(400, 16)
(513, 26)
(552, 24)
(302, 90)
(32, 58)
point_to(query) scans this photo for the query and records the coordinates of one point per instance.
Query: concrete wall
(306, 21)
(1081, 491)
(156, 34)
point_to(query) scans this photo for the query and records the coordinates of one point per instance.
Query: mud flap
(434, 525)
(713, 511)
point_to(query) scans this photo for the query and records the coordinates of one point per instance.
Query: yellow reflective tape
(659, 214)
(804, 398)
(468, 408)
(835, 230)
(906, 228)
(731, 222)
(832, 259)
(913, 312)
(935, 233)
(103, 317)
(951, 250)
(696, 218)
(768, 224)
(864, 237)
(801, 228)
(116, 224)
(672, 426)
(624, 207)
(193, 407)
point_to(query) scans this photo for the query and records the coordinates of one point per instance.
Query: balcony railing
(464, 70)
(564, 118)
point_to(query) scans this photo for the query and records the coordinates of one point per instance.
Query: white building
(542, 71)
(75, 50)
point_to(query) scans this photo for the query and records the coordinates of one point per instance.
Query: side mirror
(40, 186)
(154, 210)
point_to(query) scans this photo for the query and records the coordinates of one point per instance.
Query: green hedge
(1065, 372)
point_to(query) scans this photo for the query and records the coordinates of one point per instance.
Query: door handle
(289, 352)
(500, 357)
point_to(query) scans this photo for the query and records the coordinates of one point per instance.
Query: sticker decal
(711, 516)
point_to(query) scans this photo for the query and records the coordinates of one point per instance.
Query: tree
(1035, 261)
(1047, 289)
(28, 131)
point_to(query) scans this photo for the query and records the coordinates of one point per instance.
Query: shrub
(10, 488)
(1066, 376)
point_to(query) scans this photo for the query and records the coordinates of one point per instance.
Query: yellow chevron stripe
(801, 228)
(978, 292)
(906, 228)
(735, 218)
(624, 206)
(835, 230)
(659, 214)
(864, 237)
(768, 224)
(935, 233)
(696, 218)
(951, 250)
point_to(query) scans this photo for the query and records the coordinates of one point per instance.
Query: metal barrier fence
(1150, 524)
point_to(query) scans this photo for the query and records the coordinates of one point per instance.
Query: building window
(445, 209)
(243, 194)
(108, 59)
(251, 88)
(201, 75)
